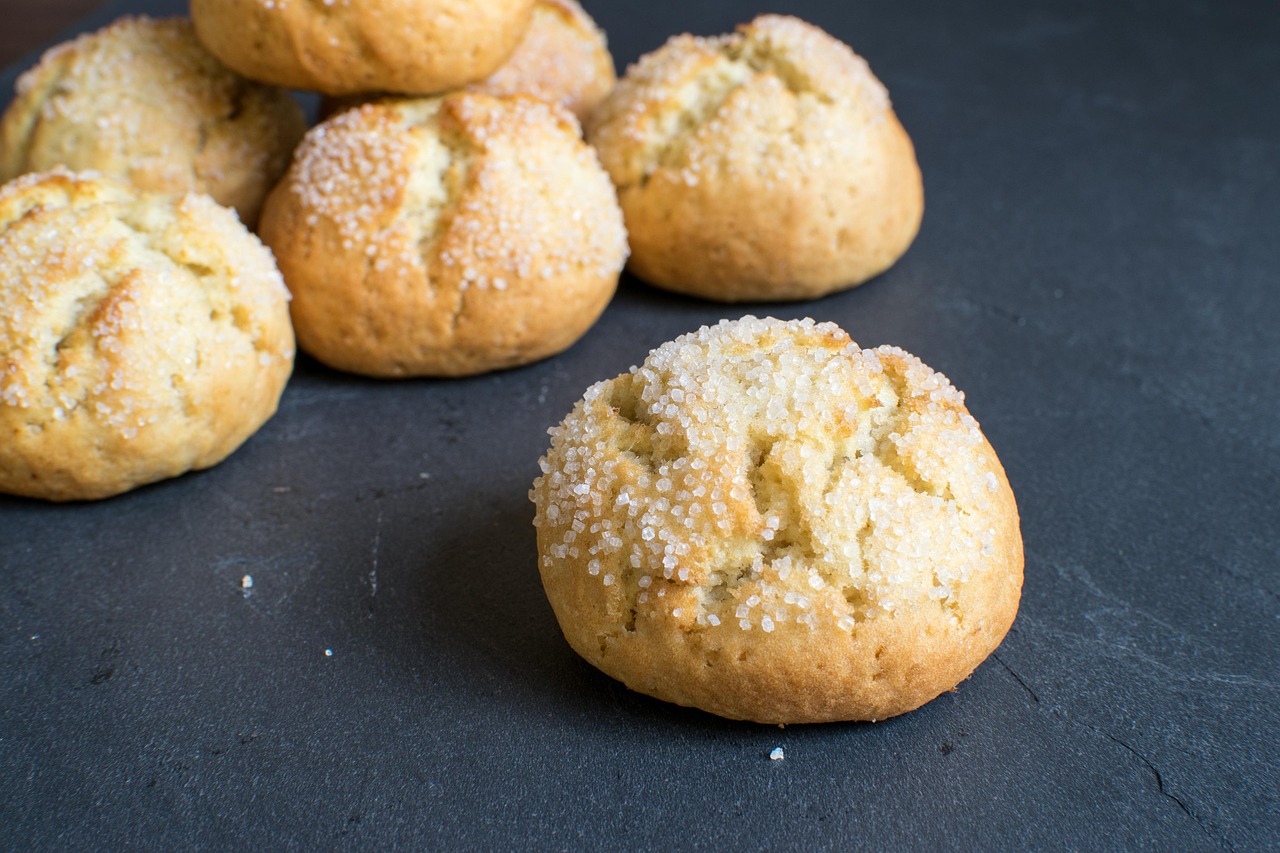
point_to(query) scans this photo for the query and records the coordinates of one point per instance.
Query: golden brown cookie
(344, 47)
(766, 164)
(141, 336)
(563, 57)
(766, 522)
(142, 100)
(445, 237)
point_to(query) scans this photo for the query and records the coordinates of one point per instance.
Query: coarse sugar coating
(444, 237)
(766, 522)
(141, 336)
(345, 47)
(142, 100)
(764, 164)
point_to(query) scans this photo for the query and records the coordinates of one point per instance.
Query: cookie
(141, 336)
(445, 237)
(762, 165)
(766, 522)
(345, 47)
(143, 101)
(563, 57)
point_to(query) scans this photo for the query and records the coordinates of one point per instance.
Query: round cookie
(141, 336)
(142, 100)
(445, 237)
(344, 47)
(563, 57)
(766, 164)
(766, 522)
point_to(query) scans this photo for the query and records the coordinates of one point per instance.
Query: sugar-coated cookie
(442, 237)
(765, 164)
(344, 47)
(142, 100)
(766, 522)
(563, 57)
(141, 336)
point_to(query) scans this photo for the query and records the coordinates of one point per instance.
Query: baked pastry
(141, 335)
(142, 100)
(766, 522)
(562, 57)
(766, 164)
(344, 47)
(445, 237)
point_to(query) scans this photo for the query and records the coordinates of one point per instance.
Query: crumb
(777, 754)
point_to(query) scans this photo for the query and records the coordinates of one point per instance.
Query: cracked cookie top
(141, 336)
(766, 521)
(143, 101)
(445, 236)
(763, 164)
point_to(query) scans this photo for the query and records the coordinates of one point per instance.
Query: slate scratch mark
(106, 667)
(1017, 678)
(1161, 789)
(373, 572)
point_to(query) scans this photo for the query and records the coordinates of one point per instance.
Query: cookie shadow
(485, 612)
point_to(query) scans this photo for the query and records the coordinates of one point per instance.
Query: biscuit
(142, 100)
(345, 47)
(445, 237)
(563, 57)
(766, 522)
(141, 336)
(766, 164)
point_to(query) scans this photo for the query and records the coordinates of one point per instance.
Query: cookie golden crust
(766, 522)
(344, 47)
(445, 237)
(141, 336)
(766, 164)
(143, 101)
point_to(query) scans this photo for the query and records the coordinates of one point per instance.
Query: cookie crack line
(764, 58)
(456, 178)
(206, 275)
(888, 455)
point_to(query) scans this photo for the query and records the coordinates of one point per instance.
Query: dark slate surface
(1098, 269)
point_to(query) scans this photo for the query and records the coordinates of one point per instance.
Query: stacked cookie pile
(763, 520)
(456, 224)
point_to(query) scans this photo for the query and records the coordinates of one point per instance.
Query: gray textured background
(1098, 270)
